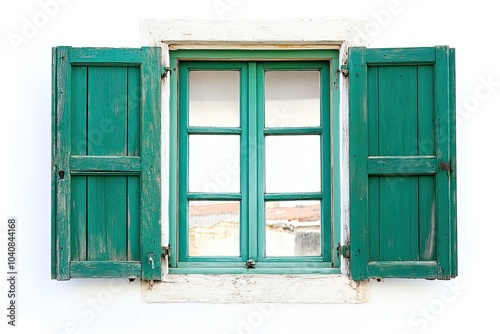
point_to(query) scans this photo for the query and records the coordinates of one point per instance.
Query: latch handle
(151, 260)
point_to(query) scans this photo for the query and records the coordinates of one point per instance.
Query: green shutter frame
(402, 140)
(106, 163)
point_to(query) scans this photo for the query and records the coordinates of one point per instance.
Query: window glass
(292, 98)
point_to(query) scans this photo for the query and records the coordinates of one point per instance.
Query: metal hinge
(165, 251)
(344, 70)
(165, 71)
(345, 251)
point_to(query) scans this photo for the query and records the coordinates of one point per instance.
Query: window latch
(151, 260)
(250, 264)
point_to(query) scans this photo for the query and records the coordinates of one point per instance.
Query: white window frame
(256, 34)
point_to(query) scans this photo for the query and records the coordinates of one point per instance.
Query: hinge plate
(165, 251)
(344, 69)
(345, 251)
(165, 71)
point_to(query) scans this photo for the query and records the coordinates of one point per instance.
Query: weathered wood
(105, 269)
(101, 107)
(403, 165)
(426, 146)
(54, 172)
(78, 224)
(62, 153)
(133, 150)
(150, 231)
(106, 56)
(105, 164)
(443, 153)
(407, 269)
(358, 176)
(401, 56)
(410, 209)
(453, 171)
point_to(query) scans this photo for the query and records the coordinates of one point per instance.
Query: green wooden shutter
(402, 141)
(106, 163)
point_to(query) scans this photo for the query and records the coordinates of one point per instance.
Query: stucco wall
(30, 28)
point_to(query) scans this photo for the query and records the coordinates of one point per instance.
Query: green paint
(106, 176)
(252, 138)
(401, 129)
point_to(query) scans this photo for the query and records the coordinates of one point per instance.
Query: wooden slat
(107, 111)
(151, 159)
(358, 176)
(427, 218)
(110, 269)
(133, 150)
(54, 152)
(407, 269)
(78, 224)
(426, 146)
(105, 56)
(395, 56)
(453, 173)
(62, 147)
(397, 124)
(402, 165)
(107, 218)
(105, 164)
(398, 218)
(133, 217)
(373, 150)
(107, 133)
(442, 93)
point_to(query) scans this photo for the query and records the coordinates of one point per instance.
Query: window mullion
(255, 197)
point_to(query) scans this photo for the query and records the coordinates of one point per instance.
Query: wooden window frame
(252, 64)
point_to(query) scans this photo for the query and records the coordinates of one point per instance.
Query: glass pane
(214, 228)
(214, 163)
(292, 98)
(293, 228)
(293, 164)
(214, 98)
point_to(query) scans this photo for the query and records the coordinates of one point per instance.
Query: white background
(114, 306)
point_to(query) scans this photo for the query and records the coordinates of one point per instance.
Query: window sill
(256, 288)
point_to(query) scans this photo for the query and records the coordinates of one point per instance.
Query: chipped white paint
(304, 289)
(256, 34)
(261, 32)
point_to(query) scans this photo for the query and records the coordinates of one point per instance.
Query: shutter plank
(397, 132)
(426, 147)
(78, 226)
(442, 91)
(453, 172)
(373, 150)
(150, 176)
(107, 132)
(358, 152)
(133, 150)
(62, 172)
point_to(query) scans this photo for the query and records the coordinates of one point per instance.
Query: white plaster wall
(108, 306)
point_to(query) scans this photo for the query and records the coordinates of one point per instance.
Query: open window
(241, 176)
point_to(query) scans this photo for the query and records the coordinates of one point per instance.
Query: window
(259, 124)
(106, 158)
